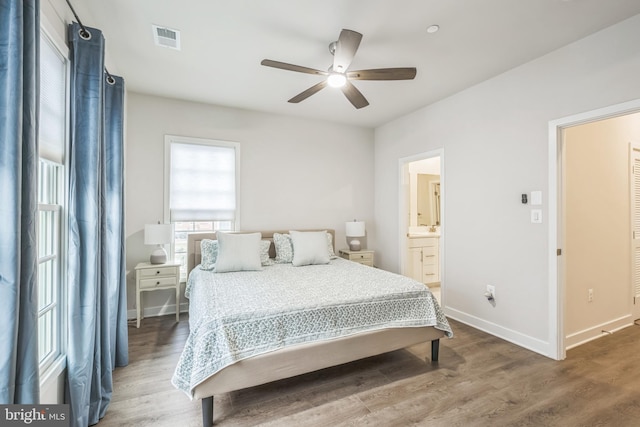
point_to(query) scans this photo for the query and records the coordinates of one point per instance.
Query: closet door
(635, 227)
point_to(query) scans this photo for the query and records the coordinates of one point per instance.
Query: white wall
(495, 138)
(295, 173)
(429, 166)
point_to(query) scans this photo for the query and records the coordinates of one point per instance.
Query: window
(51, 198)
(200, 188)
(49, 262)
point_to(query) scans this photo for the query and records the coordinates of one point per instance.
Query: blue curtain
(19, 98)
(114, 279)
(98, 337)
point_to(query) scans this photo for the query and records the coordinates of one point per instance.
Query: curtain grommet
(84, 34)
(111, 80)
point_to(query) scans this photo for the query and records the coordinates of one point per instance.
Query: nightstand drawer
(157, 282)
(160, 271)
(364, 257)
(367, 256)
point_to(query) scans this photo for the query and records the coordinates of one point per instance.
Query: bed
(252, 327)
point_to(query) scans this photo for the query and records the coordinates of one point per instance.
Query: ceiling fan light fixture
(338, 74)
(336, 80)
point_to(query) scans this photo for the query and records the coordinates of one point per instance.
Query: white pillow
(309, 247)
(238, 252)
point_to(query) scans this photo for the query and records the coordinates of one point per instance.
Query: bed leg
(435, 349)
(207, 411)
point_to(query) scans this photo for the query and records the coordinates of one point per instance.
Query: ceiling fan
(338, 75)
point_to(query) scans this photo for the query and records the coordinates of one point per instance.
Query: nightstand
(363, 257)
(151, 277)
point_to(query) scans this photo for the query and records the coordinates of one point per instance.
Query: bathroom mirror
(424, 195)
(428, 200)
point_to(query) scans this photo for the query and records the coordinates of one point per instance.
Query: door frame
(403, 213)
(557, 348)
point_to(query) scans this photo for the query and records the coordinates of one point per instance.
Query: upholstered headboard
(194, 239)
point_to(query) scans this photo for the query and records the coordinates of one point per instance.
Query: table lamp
(354, 229)
(158, 234)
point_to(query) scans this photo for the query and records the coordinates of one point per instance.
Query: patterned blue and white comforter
(233, 316)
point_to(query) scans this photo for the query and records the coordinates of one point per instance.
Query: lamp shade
(354, 228)
(158, 234)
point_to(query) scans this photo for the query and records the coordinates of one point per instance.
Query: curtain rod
(84, 32)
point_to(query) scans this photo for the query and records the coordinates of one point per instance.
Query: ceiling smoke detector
(433, 29)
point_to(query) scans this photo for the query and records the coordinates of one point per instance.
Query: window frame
(168, 141)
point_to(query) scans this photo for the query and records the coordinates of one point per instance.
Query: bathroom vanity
(423, 260)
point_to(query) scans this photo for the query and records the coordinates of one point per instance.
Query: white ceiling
(223, 43)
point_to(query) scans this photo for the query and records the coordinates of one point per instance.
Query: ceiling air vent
(166, 37)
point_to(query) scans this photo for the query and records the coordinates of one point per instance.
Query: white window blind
(52, 118)
(202, 182)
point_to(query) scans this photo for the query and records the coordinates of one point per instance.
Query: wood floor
(480, 381)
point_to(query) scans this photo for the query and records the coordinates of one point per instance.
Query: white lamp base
(355, 245)
(158, 256)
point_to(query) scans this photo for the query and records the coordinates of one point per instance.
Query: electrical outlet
(491, 290)
(590, 295)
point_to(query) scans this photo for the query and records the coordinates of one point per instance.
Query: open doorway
(421, 224)
(591, 224)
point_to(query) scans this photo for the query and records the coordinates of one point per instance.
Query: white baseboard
(597, 331)
(515, 337)
(161, 310)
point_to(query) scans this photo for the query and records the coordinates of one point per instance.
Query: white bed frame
(302, 358)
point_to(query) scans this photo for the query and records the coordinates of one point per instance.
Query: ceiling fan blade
(345, 50)
(307, 93)
(291, 67)
(383, 74)
(354, 96)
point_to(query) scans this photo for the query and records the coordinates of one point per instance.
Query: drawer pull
(157, 272)
(157, 283)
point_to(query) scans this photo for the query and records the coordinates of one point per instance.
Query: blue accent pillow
(208, 254)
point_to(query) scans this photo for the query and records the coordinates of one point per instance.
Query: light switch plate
(536, 197)
(536, 216)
